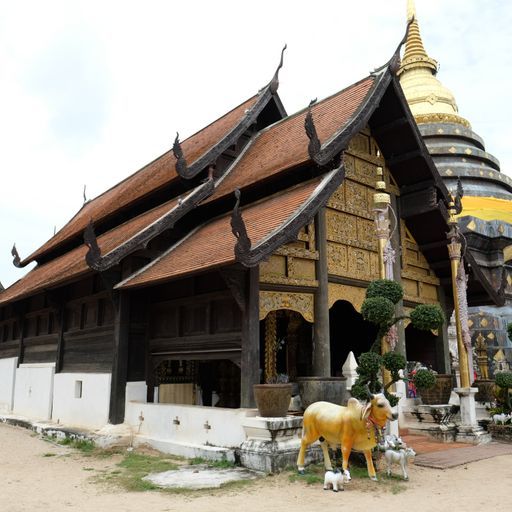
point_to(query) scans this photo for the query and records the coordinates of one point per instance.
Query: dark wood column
(21, 345)
(120, 357)
(250, 360)
(321, 339)
(59, 357)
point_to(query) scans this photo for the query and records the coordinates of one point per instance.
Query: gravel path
(36, 475)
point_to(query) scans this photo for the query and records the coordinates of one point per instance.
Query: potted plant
(425, 380)
(273, 397)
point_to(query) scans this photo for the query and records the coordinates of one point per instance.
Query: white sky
(90, 91)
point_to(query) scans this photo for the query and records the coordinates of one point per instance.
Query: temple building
(486, 219)
(256, 231)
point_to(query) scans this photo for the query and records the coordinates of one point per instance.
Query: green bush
(509, 331)
(503, 379)
(369, 363)
(393, 361)
(427, 317)
(386, 288)
(378, 310)
(424, 379)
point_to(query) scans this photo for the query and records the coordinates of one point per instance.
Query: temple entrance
(348, 332)
(421, 346)
(291, 336)
(214, 383)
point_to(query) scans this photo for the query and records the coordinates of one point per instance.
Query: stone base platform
(273, 444)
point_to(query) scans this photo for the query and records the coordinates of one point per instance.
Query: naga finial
(314, 145)
(243, 242)
(181, 163)
(274, 83)
(94, 253)
(17, 260)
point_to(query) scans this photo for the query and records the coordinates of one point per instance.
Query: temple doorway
(420, 346)
(348, 332)
(291, 335)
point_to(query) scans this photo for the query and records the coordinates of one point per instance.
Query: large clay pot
(322, 389)
(440, 393)
(272, 400)
(485, 390)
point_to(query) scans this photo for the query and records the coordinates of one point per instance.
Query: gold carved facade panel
(428, 292)
(337, 199)
(366, 234)
(360, 143)
(299, 268)
(352, 294)
(410, 288)
(302, 303)
(341, 227)
(274, 266)
(337, 262)
(374, 265)
(359, 263)
(357, 198)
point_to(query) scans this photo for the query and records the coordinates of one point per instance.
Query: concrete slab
(450, 458)
(199, 477)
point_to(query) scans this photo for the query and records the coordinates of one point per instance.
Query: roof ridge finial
(415, 55)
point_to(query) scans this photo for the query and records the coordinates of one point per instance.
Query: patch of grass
(88, 469)
(220, 464)
(49, 454)
(134, 467)
(196, 461)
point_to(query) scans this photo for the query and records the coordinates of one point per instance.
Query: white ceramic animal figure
(333, 479)
(402, 457)
(501, 418)
(392, 442)
(346, 476)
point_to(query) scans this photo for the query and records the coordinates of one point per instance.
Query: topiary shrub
(394, 362)
(386, 288)
(427, 317)
(504, 382)
(378, 310)
(424, 379)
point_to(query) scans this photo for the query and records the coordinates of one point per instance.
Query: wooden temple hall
(259, 227)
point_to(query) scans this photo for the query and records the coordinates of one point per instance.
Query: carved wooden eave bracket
(189, 171)
(101, 263)
(250, 256)
(324, 153)
(16, 258)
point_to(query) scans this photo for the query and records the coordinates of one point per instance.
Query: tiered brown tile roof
(284, 145)
(212, 245)
(72, 264)
(152, 177)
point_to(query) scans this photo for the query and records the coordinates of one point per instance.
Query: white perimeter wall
(33, 390)
(91, 410)
(7, 380)
(226, 424)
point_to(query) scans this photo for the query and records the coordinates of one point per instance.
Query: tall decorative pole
(454, 251)
(381, 204)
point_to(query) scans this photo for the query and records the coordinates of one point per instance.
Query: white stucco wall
(33, 390)
(91, 409)
(7, 380)
(136, 391)
(226, 424)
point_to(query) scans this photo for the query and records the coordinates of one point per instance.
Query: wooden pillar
(59, 356)
(21, 345)
(250, 361)
(120, 357)
(321, 338)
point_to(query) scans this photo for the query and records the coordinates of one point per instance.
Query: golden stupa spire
(430, 101)
(415, 55)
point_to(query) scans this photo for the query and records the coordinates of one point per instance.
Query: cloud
(92, 91)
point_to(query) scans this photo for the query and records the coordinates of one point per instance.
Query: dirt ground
(36, 475)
